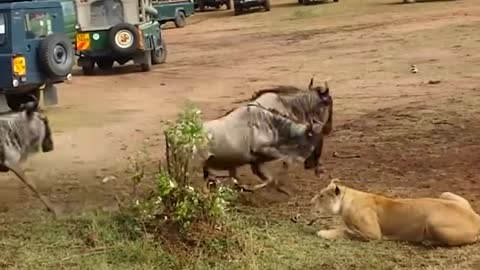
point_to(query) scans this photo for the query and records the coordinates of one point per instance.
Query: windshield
(106, 13)
(37, 25)
(68, 8)
(2, 28)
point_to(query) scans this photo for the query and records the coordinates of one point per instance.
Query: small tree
(174, 197)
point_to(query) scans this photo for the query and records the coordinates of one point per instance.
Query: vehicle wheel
(16, 101)
(180, 19)
(123, 38)
(266, 5)
(238, 10)
(105, 64)
(88, 66)
(306, 2)
(201, 5)
(147, 62)
(160, 55)
(228, 3)
(56, 55)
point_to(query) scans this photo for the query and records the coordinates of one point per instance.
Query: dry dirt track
(414, 138)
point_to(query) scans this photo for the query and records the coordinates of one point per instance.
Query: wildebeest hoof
(283, 190)
(243, 188)
(319, 170)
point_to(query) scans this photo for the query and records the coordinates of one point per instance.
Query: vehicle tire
(228, 3)
(300, 2)
(56, 55)
(201, 5)
(306, 2)
(88, 66)
(238, 10)
(147, 64)
(105, 64)
(123, 38)
(266, 5)
(15, 101)
(180, 19)
(160, 55)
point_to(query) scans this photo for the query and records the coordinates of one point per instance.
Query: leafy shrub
(174, 198)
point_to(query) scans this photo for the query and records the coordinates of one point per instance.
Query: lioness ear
(335, 181)
(337, 190)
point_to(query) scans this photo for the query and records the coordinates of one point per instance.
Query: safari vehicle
(175, 11)
(201, 4)
(35, 52)
(241, 5)
(69, 17)
(307, 2)
(118, 31)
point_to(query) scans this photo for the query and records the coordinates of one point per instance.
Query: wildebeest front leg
(260, 171)
(19, 173)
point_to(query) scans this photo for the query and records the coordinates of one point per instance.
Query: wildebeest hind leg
(19, 173)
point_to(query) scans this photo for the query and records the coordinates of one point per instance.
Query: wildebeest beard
(47, 143)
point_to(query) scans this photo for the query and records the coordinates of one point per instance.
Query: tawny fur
(448, 220)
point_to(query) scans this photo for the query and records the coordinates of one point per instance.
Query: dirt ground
(416, 134)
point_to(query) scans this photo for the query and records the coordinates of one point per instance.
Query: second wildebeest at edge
(252, 134)
(21, 134)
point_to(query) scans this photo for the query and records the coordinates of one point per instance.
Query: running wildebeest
(252, 134)
(314, 105)
(21, 134)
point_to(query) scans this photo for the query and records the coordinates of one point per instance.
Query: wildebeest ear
(310, 86)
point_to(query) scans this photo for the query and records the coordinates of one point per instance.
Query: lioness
(447, 220)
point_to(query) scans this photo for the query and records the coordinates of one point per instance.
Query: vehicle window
(3, 29)
(106, 13)
(37, 25)
(68, 8)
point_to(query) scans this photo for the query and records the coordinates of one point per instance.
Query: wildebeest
(252, 134)
(314, 105)
(21, 134)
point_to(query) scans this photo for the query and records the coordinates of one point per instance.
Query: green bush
(174, 198)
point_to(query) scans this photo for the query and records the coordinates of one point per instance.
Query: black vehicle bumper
(249, 3)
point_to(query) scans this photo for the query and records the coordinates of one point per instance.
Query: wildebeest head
(326, 102)
(39, 127)
(312, 161)
(307, 140)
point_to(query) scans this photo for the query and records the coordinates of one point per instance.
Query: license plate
(19, 66)
(83, 41)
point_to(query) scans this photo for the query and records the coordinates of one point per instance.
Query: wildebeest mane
(271, 119)
(281, 89)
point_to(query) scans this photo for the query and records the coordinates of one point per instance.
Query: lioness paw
(324, 234)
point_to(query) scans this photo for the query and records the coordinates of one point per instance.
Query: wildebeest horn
(310, 86)
(326, 86)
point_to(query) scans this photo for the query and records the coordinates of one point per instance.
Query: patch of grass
(98, 241)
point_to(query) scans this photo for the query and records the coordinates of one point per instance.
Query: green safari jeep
(111, 31)
(175, 11)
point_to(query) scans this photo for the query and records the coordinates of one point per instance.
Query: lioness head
(329, 200)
